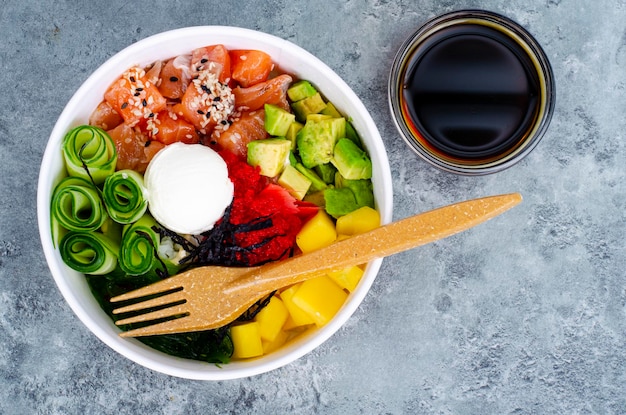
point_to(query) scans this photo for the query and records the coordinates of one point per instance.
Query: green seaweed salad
(213, 346)
(103, 229)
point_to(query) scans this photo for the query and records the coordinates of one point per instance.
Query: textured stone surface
(523, 315)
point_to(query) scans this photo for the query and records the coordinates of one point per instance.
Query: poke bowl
(78, 116)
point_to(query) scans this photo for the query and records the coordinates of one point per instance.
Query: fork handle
(386, 240)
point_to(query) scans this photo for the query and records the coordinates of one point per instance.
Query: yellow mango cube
(246, 340)
(317, 233)
(320, 298)
(279, 340)
(297, 316)
(347, 278)
(271, 319)
(362, 220)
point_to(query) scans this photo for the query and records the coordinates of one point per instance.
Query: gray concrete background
(523, 315)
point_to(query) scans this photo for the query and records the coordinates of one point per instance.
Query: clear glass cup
(471, 92)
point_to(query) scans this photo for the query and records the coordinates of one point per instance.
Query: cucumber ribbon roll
(124, 195)
(89, 252)
(89, 148)
(76, 205)
(137, 251)
(140, 250)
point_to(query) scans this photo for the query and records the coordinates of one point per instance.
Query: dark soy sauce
(472, 92)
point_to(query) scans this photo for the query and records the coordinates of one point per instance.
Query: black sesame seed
(204, 61)
(139, 89)
(223, 122)
(151, 115)
(124, 105)
(147, 143)
(144, 103)
(217, 99)
(137, 94)
(199, 68)
(200, 112)
(173, 79)
(205, 88)
(213, 142)
(132, 79)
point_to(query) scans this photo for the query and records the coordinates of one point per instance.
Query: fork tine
(167, 284)
(166, 327)
(170, 298)
(155, 315)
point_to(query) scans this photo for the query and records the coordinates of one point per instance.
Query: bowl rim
(99, 323)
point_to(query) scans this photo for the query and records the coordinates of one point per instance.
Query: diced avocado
(317, 117)
(330, 109)
(295, 182)
(277, 120)
(293, 130)
(352, 162)
(317, 184)
(316, 140)
(300, 90)
(326, 172)
(317, 198)
(339, 201)
(352, 134)
(293, 159)
(310, 105)
(269, 154)
(363, 191)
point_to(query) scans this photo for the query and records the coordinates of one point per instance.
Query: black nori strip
(254, 309)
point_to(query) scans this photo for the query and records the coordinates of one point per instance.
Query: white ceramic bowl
(290, 58)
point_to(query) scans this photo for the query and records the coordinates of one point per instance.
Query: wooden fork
(211, 296)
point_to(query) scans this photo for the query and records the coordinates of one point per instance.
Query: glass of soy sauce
(472, 92)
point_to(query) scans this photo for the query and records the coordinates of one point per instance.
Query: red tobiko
(257, 199)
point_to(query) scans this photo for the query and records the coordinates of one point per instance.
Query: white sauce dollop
(188, 188)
